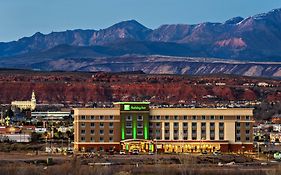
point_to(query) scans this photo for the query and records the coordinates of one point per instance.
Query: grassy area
(23, 164)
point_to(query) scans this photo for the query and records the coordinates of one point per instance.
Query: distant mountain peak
(234, 20)
(129, 24)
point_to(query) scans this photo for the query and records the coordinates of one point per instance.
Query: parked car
(122, 152)
(135, 152)
(216, 153)
(205, 152)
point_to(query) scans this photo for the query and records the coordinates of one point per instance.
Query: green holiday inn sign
(134, 108)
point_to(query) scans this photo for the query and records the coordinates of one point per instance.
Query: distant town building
(263, 84)
(276, 119)
(25, 105)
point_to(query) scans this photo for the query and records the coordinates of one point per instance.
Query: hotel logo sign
(134, 108)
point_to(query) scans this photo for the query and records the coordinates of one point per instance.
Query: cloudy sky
(21, 18)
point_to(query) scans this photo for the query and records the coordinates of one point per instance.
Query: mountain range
(255, 39)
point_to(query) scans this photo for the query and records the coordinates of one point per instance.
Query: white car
(122, 152)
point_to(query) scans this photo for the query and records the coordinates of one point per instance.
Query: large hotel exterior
(134, 125)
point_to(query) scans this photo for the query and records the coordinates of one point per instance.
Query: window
(167, 131)
(185, 124)
(238, 117)
(166, 117)
(101, 117)
(110, 131)
(101, 139)
(247, 117)
(128, 124)
(247, 131)
(83, 124)
(92, 125)
(184, 138)
(128, 132)
(176, 124)
(247, 124)
(158, 117)
(83, 117)
(176, 138)
(221, 125)
(139, 124)
(101, 132)
(237, 131)
(176, 131)
(83, 131)
(157, 138)
(167, 138)
(176, 117)
(194, 132)
(193, 117)
(150, 124)
(111, 139)
(212, 124)
(150, 117)
(157, 131)
(203, 117)
(92, 117)
(194, 124)
(185, 117)
(212, 137)
(238, 125)
(167, 124)
(140, 132)
(110, 124)
(238, 138)
(212, 117)
(129, 118)
(92, 139)
(92, 131)
(185, 131)
(140, 118)
(158, 125)
(111, 117)
(101, 125)
(221, 137)
(82, 138)
(203, 125)
(247, 138)
(221, 117)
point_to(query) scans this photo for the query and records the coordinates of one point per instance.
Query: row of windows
(92, 117)
(238, 138)
(129, 124)
(185, 124)
(130, 118)
(194, 117)
(101, 139)
(83, 132)
(101, 124)
(129, 132)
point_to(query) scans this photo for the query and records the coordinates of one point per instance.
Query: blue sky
(21, 18)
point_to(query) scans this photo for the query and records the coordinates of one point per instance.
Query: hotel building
(134, 125)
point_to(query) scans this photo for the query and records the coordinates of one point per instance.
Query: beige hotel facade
(135, 125)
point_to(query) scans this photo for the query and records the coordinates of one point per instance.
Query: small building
(25, 105)
(276, 119)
